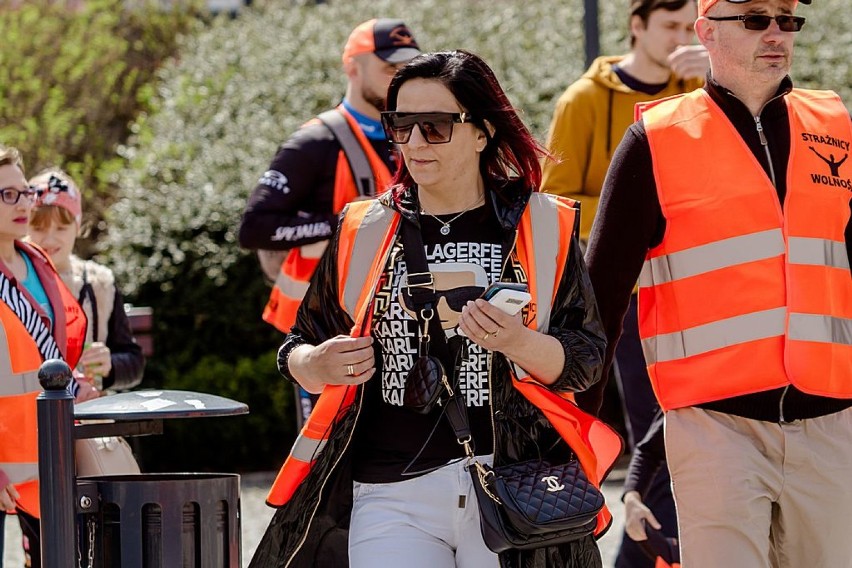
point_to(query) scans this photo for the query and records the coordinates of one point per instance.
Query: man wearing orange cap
(735, 203)
(341, 155)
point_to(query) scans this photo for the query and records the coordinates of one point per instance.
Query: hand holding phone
(509, 297)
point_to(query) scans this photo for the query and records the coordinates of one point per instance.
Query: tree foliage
(72, 81)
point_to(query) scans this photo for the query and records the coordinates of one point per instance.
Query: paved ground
(256, 515)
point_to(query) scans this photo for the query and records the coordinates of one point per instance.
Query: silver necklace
(445, 225)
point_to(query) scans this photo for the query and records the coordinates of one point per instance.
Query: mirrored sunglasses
(760, 22)
(436, 127)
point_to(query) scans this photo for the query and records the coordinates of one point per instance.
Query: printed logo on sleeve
(275, 180)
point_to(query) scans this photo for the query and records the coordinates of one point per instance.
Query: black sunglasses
(436, 127)
(11, 196)
(760, 22)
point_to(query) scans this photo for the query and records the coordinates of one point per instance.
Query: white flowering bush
(242, 86)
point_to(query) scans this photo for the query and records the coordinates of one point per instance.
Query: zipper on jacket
(781, 419)
(491, 404)
(765, 143)
(324, 481)
(491, 365)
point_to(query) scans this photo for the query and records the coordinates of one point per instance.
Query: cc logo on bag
(553, 484)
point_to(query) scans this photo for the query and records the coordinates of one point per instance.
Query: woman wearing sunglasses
(112, 359)
(396, 478)
(40, 320)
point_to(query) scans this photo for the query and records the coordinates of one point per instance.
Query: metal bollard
(56, 471)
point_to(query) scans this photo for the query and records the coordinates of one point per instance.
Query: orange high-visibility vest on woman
(744, 295)
(301, 262)
(21, 355)
(544, 238)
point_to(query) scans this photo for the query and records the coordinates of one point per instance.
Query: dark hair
(511, 152)
(644, 8)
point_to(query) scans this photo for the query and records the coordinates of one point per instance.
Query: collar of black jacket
(737, 110)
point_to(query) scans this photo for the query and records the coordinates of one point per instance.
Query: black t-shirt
(389, 437)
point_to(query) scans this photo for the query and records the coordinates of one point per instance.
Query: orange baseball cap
(704, 5)
(390, 40)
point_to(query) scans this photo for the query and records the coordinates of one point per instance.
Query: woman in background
(39, 320)
(111, 359)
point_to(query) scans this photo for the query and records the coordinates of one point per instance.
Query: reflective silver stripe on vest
(20, 472)
(818, 252)
(714, 335)
(307, 449)
(368, 239)
(12, 383)
(359, 163)
(544, 217)
(712, 256)
(20, 383)
(821, 329)
(295, 289)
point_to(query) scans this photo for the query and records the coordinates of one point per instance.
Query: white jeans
(431, 521)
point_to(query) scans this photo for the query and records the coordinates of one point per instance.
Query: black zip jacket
(128, 362)
(328, 488)
(630, 222)
(292, 204)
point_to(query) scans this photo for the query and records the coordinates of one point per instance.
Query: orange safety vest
(301, 262)
(743, 295)
(20, 360)
(544, 237)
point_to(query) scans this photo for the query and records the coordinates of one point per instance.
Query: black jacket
(292, 204)
(328, 487)
(128, 362)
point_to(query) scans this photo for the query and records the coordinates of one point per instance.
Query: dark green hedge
(259, 440)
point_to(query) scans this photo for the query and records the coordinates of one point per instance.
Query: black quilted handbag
(529, 504)
(533, 504)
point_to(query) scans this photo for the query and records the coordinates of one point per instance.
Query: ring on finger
(496, 332)
(350, 370)
(486, 336)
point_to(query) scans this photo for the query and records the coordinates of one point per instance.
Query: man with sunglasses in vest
(590, 119)
(341, 155)
(734, 204)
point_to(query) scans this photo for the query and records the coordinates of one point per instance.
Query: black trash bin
(168, 520)
(161, 520)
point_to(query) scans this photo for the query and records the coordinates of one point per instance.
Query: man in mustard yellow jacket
(590, 119)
